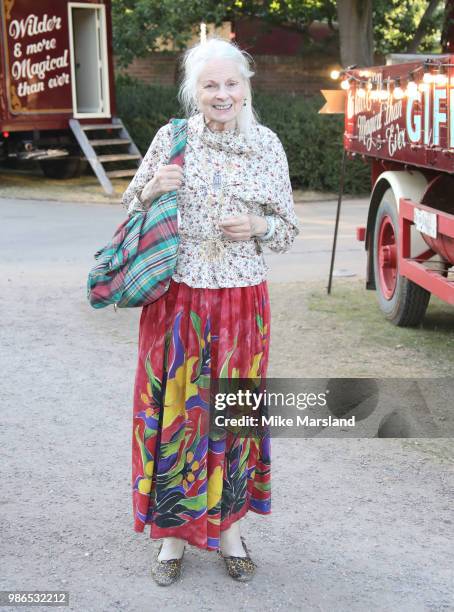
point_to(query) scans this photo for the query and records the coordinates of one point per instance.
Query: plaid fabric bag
(136, 266)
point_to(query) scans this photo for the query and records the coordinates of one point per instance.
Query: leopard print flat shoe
(166, 572)
(240, 568)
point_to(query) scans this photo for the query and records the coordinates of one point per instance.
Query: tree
(356, 37)
(139, 25)
(447, 38)
(407, 26)
(423, 25)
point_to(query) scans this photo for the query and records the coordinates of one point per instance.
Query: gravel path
(357, 524)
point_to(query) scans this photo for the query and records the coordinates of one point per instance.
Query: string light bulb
(428, 76)
(440, 78)
(383, 93)
(398, 92)
(374, 91)
(412, 88)
(361, 90)
(423, 87)
(434, 73)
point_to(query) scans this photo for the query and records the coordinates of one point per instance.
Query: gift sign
(402, 113)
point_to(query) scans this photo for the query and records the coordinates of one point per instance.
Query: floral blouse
(225, 173)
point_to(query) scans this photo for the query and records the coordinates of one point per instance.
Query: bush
(313, 142)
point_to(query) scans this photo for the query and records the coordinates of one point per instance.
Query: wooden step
(101, 126)
(117, 157)
(119, 137)
(120, 173)
(103, 142)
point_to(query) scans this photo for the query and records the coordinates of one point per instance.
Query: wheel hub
(387, 257)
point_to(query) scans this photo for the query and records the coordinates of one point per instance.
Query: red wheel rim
(387, 257)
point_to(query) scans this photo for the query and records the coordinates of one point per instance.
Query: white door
(89, 66)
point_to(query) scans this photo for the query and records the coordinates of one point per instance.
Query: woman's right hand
(167, 178)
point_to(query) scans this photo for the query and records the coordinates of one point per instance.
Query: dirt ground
(357, 524)
(344, 335)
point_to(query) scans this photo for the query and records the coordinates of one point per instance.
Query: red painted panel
(37, 59)
(414, 268)
(35, 91)
(417, 129)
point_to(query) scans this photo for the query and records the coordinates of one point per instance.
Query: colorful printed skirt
(188, 483)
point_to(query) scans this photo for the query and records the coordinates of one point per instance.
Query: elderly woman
(234, 198)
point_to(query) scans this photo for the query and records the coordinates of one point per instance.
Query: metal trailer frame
(434, 280)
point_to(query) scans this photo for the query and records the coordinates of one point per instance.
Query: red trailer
(400, 117)
(57, 102)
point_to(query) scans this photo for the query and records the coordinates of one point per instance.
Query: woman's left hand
(243, 227)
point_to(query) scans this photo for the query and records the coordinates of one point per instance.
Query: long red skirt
(188, 483)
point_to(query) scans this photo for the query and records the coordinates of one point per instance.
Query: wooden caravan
(57, 100)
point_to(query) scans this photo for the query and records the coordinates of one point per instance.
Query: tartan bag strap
(180, 136)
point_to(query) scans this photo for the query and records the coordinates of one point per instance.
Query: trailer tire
(402, 302)
(66, 168)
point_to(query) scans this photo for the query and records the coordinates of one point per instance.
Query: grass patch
(354, 308)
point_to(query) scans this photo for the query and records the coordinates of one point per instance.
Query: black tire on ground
(65, 168)
(408, 303)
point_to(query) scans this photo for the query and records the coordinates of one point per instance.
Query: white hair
(194, 61)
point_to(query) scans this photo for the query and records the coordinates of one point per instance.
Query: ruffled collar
(230, 140)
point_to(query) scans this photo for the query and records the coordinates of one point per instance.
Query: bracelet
(270, 228)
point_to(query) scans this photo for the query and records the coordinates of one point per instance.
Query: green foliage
(145, 108)
(139, 26)
(395, 23)
(313, 142)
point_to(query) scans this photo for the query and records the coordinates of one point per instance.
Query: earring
(245, 102)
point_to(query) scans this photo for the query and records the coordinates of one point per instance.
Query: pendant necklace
(213, 249)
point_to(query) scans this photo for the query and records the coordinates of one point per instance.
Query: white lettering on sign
(395, 138)
(427, 132)
(425, 222)
(438, 116)
(32, 26)
(413, 119)
(356, 105)
(451, 118)
(24, 69)
(26, 89)
(424, 118)
(44, 45)
(31, 75)
(58, 81)
(393, 112)
(367, 127)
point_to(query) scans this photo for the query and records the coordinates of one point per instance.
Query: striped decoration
(135, 267)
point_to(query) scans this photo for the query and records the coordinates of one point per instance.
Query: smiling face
(220, 93)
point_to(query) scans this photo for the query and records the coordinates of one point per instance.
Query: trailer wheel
(402, 302)
(66, 168)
